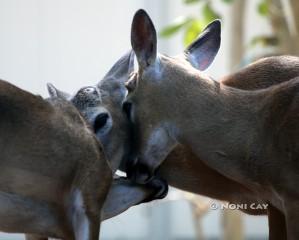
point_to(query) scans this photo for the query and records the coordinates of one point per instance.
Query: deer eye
(100, 121)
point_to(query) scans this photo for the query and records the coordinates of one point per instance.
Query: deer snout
(140, 173)
(160, 186)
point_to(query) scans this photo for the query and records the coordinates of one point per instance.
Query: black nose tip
(140, 174)
(127, 106)
(100, 121)
(161, 187)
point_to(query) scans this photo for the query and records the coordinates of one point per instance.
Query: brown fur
(47, 154)
(184, 170)
(200, 177)
(106, 98)
(247, 136)
(278, 99)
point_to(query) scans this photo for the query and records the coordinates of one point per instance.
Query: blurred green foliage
(263, 8)
(192, 26)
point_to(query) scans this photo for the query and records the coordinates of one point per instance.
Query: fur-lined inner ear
(144, 39)
(203, 50)
(121, 70)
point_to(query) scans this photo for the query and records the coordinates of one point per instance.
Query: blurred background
(73, 43)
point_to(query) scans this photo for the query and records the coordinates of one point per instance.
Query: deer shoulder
(264, 73)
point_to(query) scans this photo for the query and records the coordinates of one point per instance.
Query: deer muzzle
(143, 175)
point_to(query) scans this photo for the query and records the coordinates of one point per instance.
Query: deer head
(148, 102)
(101, 107)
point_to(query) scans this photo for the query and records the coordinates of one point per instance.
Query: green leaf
(209, 14)
(192, 31)
(264, 40)
(178, 24)
(227, 1)
(263, 8)
(191, 1)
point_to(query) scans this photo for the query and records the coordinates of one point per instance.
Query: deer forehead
(168, 67)
(87, 97)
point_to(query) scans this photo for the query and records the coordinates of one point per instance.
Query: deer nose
(140, 173)
(161, 187)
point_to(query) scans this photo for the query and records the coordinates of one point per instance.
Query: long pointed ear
(121, 70)
(54, 92)
(144, 39)
(132, 62)
(114, 80)
(203, 50)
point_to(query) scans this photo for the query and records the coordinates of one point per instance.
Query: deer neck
(219, 123)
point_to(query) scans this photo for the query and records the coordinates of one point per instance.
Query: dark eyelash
(127, 107)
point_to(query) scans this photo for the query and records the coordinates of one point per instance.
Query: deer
(177, 169)
(246, 135)
(51, 167)
(55, 176)
(182, 168)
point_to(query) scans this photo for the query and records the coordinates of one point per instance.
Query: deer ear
(203, 50)
(144, 39)
(55, 93)
(121, 70)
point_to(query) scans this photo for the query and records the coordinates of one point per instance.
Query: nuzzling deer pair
(250, 137)
(55, 179)
(182, 168)
(161, 81)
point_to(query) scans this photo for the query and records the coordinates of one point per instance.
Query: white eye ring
(89, 90)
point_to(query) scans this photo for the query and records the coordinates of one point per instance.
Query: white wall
(71, 43)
